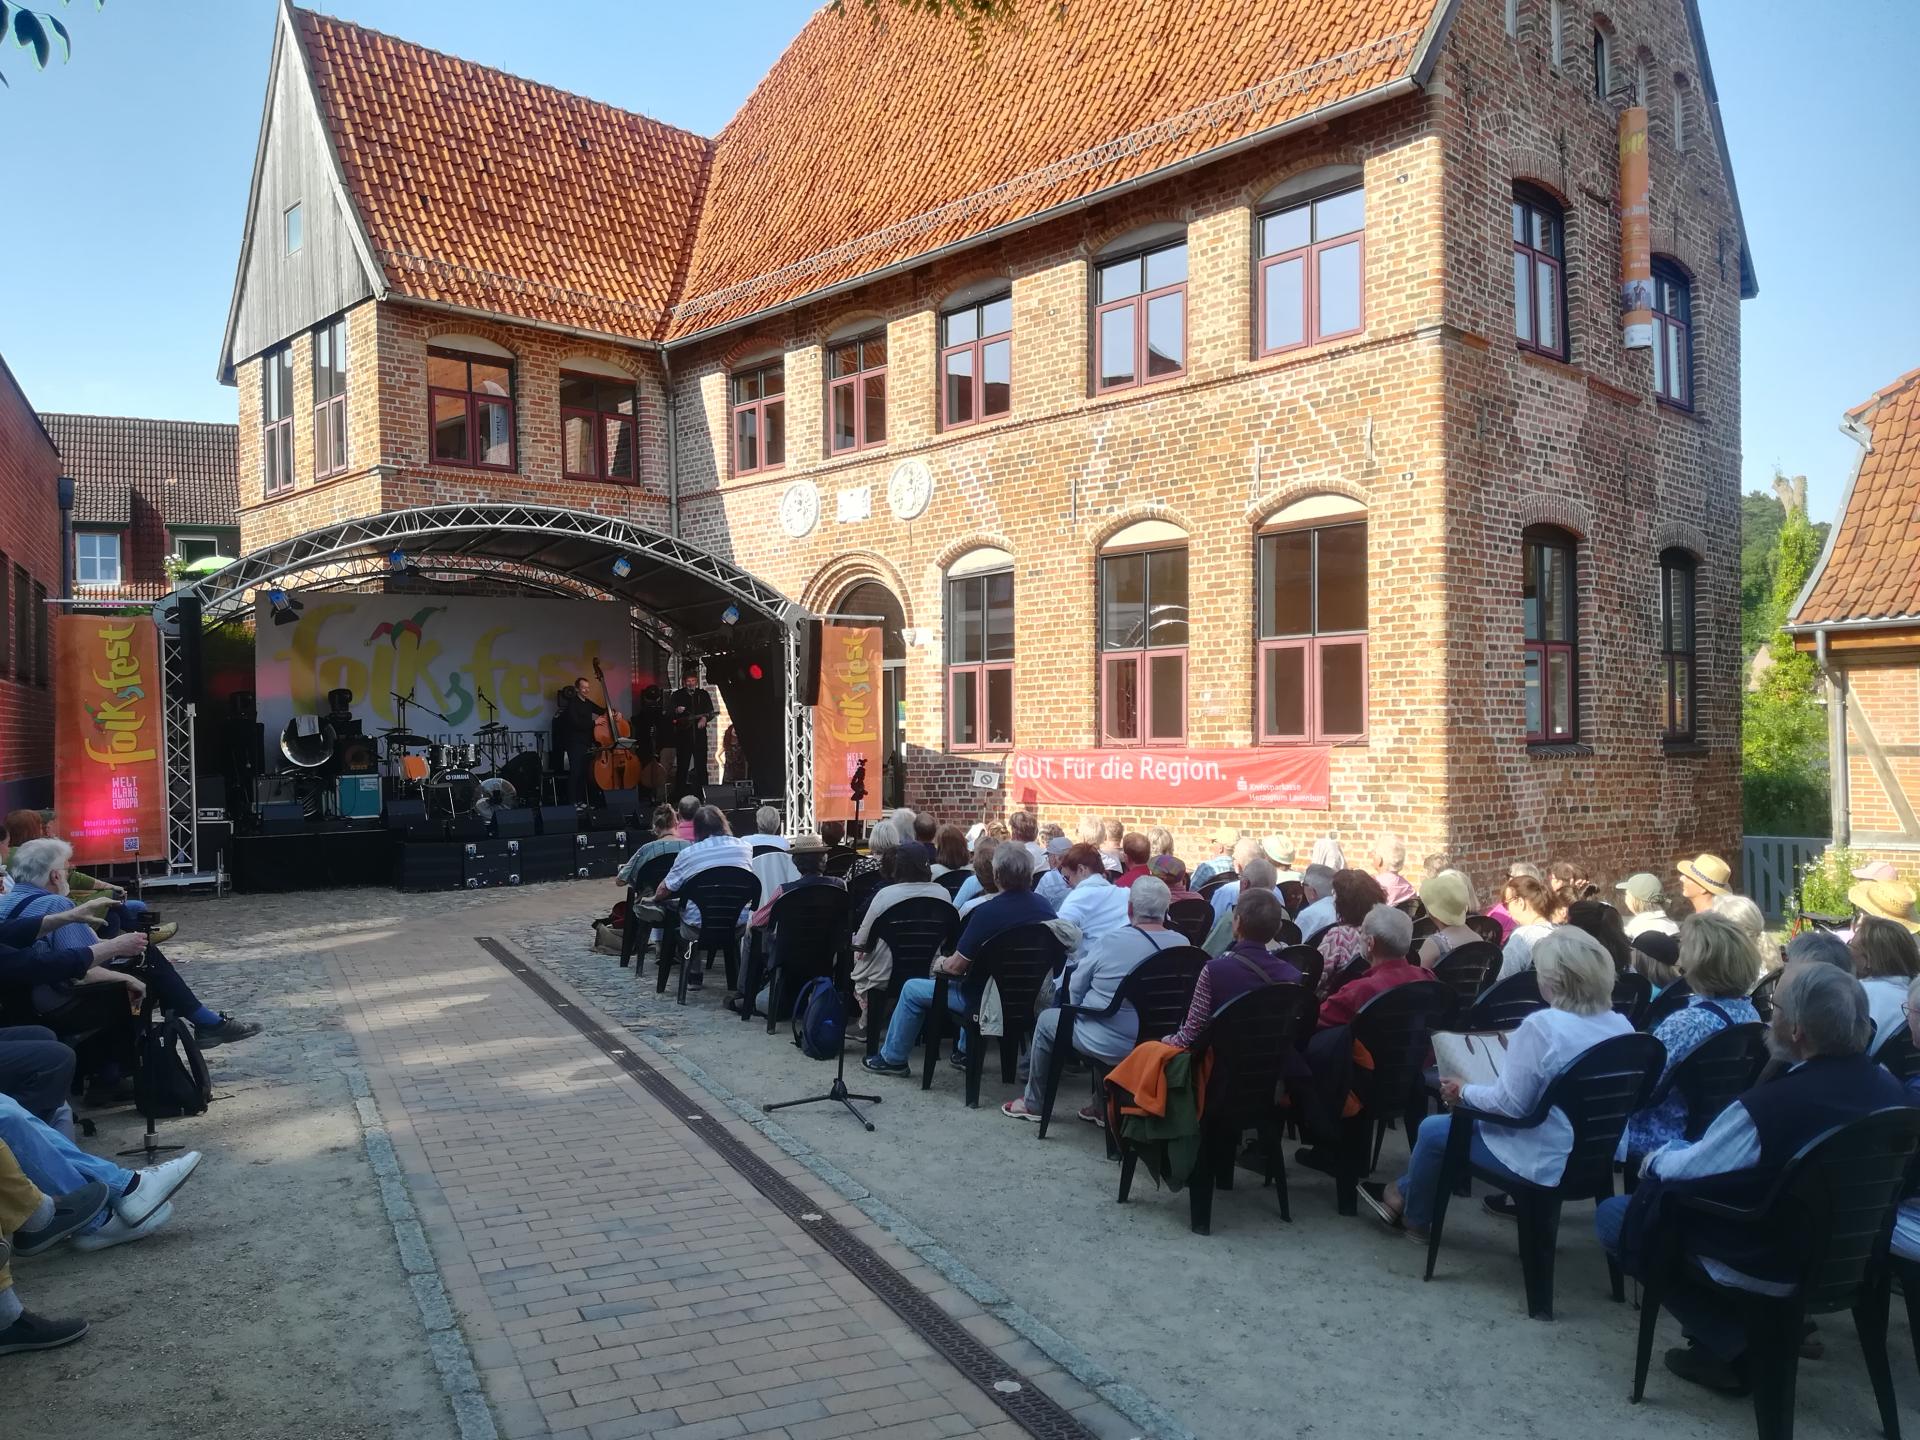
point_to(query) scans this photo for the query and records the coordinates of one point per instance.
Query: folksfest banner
(109, 777)
(846, 723)
(1287, 778)
(1636, 232)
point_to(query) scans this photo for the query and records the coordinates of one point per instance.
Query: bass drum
(451, 792)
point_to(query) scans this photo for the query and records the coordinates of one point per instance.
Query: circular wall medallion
(799, 508)
(909, 489)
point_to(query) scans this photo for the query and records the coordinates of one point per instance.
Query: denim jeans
(916, 997)
(1420, 1186)
(1709, 1316)
(35, 1069)
(53, 1162)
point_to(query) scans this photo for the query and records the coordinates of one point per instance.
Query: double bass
(615, 764)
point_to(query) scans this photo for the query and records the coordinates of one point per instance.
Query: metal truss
(176, 724)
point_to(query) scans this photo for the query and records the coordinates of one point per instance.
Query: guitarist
(578, 712)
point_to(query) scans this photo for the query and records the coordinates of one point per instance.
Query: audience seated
(24, 826)
(883, 838)
(1091, 984)
(1279, 849)
(1906, 1226)
(1448, 897)
(1820, 1027)
(1112, 836)
(138, 1200)
(714, 845)
(925, 828)
(1053, 885)
(1499, 911)
(1885, 961)
(1013, 904)
(1259, 875)
(1023, 829)
(1656, 955)
(1159, 842)
(809, 855)
(1219, 859)
(1245, 851)
(1171, 871)
(981, 883)
(1244, 965)
(1645, 902)
(1530, 905)
(1319, 913)
(1702, 878)
(1390, 858)
(1602, 921)
(1721, 967)
(1570, 882)
(872, 965)
(683, 827)
(1576, 980)
(1135, 851)
(775, 867)
(1744, 913)
(1387, 932)
(950, 850)
(1355, 893)
(31, 1222)
(1094, 905)
(1326, 851)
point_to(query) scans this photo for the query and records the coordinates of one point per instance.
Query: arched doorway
(867, 599)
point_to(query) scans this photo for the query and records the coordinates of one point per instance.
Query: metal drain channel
(1027, 1406)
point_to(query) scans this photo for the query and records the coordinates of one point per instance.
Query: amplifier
(358, 796)
(559, 820)
(282, 817)
(484, 872)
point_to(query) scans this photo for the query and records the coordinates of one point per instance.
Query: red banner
(846, 724)
(1636, 242)
(109, 781)
(1139, 780)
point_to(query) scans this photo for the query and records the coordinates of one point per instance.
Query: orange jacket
(1144, 1074)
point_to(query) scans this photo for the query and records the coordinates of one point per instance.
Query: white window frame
(80, 561)
(180, 540)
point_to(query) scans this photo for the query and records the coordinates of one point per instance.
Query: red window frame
(757, 404)
(975, 349)
(1315, 643)
(1542, 649)
(1309, 257)
(1542, 251)
(276, 421)
(603, 425)
(1145, 657)
(330, 398)
(856, 385)
(473, 401)
(977, 670)
(1672, 336)
(1679, 652)
(1139, 303)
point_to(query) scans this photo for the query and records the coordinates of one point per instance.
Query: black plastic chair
(1487, 928)
(760, 849)
(1710, 1077)
(1293, 895)
(914, 931)
(1762, 996)
(1308, 961)
(1393, 1026)
(1016, 960)
(839, 862)
(1669, 1000)
(1160, 988)
(1899, 1054)
(1828, 1217)
(1287, 934)
(1192, 917)
(860, 892)
(1249, 1039)
(953, 879)
(1596, 1093)
(1464, 970)
(721, 894)
(1423, 927)
(1214, 882)
(636, 939)
(1314, 938)
(1503, 1004)
(1632, 994)
(808, 932)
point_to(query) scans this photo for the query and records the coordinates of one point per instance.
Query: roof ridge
(304, 13)
(135, 419)
(1884, 393)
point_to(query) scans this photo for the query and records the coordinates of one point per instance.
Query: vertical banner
(109, 781)
(1636, 239)
(846, 723)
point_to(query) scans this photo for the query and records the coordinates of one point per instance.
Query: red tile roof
(1871, 570)
(185, 470)
(879, 136)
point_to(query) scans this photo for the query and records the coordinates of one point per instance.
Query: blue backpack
(819, 1019)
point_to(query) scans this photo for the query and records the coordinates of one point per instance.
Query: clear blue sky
(129, 170)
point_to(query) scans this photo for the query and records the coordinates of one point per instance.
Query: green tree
(1784, 761)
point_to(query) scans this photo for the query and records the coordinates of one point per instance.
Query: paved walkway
(614, 1274)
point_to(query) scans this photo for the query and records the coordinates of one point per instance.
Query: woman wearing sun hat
(1643, 894)
(1885, 955)
(1448, 896)
(1704, 877)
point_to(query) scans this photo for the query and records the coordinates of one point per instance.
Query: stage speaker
(468, 827)
(513, 822)
(358, 757)
(808, 680)
(429, 866)
(621, 807)
(283, 817)
(216, 844)
(189, 620)
(742, 821)
(559, 820)
(242, 706)
(729, 795)
(400, 812)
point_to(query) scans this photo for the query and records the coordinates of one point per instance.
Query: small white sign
(986, 779)
(854, 505)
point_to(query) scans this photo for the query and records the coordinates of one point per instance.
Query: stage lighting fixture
(286, 609)
(730, 615)
(623, 567)
(755, 672)
(397, 559)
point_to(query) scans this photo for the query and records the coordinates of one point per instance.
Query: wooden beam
(1882, 768)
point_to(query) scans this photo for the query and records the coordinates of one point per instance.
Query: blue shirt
(1682, 1033)
(1000, 913)
(969, 888)
(30, 902)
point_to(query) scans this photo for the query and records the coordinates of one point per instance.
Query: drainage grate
(1023, 1401)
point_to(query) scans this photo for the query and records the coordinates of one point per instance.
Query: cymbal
(403, 738)
(496, 728)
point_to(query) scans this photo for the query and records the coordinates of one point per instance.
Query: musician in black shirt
(690, 711)
(578, 712)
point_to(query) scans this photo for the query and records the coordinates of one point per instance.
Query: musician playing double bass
(578, 712)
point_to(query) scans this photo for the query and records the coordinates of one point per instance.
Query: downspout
(65, 492)
(1839, 798)
(673, 447)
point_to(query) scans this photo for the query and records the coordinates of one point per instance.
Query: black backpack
(172, 1078)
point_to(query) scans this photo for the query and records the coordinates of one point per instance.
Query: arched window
(1312, 666)
(1557, 31)
(1672, 334)
(1549, 592)
(1140, 310)
(1143, 636)
(1539, 272)
(1681, 127)
(980, 650)
(759, 396)
(1677, 575)
(1312, 262)
(857, 393)
(976, 358)
(1513, 17)
(1602, 63)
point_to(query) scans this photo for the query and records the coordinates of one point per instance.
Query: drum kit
(461, 775)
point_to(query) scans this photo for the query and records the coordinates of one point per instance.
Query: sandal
(1016, 1109)
(1374, 1193)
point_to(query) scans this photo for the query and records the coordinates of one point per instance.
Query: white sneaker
(118, 1232)
(156, 1187)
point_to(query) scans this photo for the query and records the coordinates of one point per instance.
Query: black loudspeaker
(744, 822)
(548, 857)
(429, 866)
(283, 817)
(468, 827)
(400, 813)
(621, 807)
(242, 706)
(189, 620)
(513, 822)
(358, 756)
(729, 795)
(559, 820)
(808, 679)
(215, 842)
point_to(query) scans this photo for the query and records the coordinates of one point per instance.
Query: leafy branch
(36, 30)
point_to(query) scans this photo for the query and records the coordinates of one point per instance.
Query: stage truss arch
(674, 590)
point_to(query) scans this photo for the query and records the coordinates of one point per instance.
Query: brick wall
(1887, 697)
(29, 498)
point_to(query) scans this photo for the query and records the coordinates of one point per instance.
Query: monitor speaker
(810, 647)
(283, 817)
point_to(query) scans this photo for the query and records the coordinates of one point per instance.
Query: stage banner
(1636, 234)
(846, 723)
(451, 653)
(109, 780)
(1134, 780)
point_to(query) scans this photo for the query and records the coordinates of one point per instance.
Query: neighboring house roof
(1870, 569)
(485, 191)
(186, 470)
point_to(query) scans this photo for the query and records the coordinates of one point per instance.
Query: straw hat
(1709, 872)
(1226, 835)
(1886, 900)
(808, 844)
(1446, 898)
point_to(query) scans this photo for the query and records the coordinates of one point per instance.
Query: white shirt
(709, 854)
(1730, 1144)
(1098, 907)
(1650, 920)
(1886, 994)
(1315, 918)
(776, 867)
(1518, 953)
(1545, 1044)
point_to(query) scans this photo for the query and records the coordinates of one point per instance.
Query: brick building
(1182, 396)
(1860, 613)
(30, 496)
(145, 491)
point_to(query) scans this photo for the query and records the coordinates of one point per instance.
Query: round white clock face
(799, 508)
(909, 489)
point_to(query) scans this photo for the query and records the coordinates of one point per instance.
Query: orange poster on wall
(109, 780)
(846, 723)
(1636, 233)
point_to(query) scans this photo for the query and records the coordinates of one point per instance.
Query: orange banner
(109, 779)
(846, 724)
(1636, 234)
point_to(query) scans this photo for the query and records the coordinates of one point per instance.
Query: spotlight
(397, 559)
(756, 673)
(730, 615)
(623, 567)
(286, 609)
